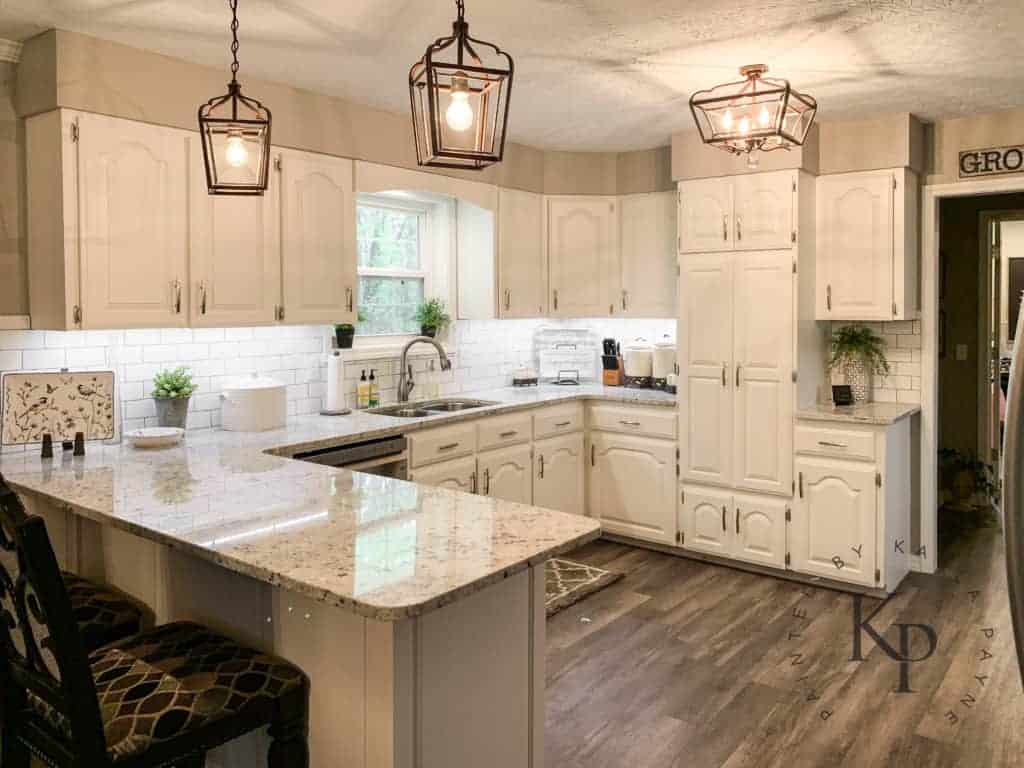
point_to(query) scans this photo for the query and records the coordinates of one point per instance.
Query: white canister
(639, 361)
(253, 404)
(664, 359)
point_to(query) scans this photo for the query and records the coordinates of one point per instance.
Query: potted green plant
(965, 475)
(432, 316)
(345, 333)
(172, 390)
(859, 354)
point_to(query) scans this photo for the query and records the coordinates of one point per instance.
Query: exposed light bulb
(745, 125)
(459, 115)
(727, 120)
(764, 118)
(235, 152)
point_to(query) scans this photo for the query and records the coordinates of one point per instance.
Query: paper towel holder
(340, 411)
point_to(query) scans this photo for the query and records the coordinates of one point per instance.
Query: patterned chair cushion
(103, 616)
(173, 680)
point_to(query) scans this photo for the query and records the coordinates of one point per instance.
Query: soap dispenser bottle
(374, 391)
(363, 392)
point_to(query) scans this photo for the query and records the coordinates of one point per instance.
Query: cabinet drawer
(504, 430)
(558, 421)
(442, 444)
(653, 422)
(828, 441)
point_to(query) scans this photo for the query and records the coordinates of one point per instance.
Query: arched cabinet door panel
(583, 255)
(558, 474)
(759, 528)
(705, 215)
(506, 474)
(705, 516)
(633, 486)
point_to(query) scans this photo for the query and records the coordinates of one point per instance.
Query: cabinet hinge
(76, 315)
(795, 376)
(789, 515)
(679, 270)
(894, 184)
(611, 309)
(787, 558)
(794, 185)
(895, 311)
(74, 132)
(277, 163)
(878, 479)
(878, 575)
(677, 469)
(792, 236)
(682, 496)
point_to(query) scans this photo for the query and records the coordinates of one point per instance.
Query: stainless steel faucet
(405, 382)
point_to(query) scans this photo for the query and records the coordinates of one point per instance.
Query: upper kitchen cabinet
(107, 222)
(751, 212)
(867, 246)
(583, 255)
(522, 272)
(318, 238)
(236, 254)
(648, 255)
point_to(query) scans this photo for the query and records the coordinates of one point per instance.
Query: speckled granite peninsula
(416, 611)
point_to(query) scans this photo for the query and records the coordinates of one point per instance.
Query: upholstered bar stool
(102, 614)
(164, 697)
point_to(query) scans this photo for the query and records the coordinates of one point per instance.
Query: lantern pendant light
(235, 132)
(755, 114)
(459, 92)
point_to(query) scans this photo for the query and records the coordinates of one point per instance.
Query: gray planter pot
(859, 377)
(172, 412)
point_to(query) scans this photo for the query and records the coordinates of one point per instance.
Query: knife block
(612, 377)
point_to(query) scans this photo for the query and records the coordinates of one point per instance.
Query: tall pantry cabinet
(746, 279)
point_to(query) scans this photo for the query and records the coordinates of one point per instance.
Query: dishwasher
(387, 457)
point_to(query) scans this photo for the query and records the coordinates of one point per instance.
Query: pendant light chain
(234, 40)
(461, 6)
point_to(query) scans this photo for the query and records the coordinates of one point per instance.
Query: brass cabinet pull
(350, 299)
(828, 444)
(176, 287)
(472, 482)
(629, 423)
(487, 482)
(593, 455)
(737, 519)
(510, 433)
(739, 227)
(541, 460)
(202, 298)
(724, 511)
(563, 424)
(625, 300)
(723, 375)
(508, 299)
(738, 367)
(448, 447)
(725, 228)
(828, 297)
(555, 292)
(800, 477)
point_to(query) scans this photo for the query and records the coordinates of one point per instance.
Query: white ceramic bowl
(154, 437)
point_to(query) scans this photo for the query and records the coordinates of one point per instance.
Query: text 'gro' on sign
(993, 161)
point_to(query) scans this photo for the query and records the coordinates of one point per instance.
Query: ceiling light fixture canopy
(460, 100)
(754, 114)
(235, 131)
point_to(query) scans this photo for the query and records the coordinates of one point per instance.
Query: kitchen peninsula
(417, 612)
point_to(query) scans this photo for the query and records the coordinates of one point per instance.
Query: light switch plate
(961, 352)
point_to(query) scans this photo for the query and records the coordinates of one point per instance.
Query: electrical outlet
(961, 352)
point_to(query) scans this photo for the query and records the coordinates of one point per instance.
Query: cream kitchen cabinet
(746, 527)
(456, 475)
(522, 270)
(867, 246)
(507, 474)
(583, 255)
(737, 364)
(236, 254)
(558, 474)
(754, 211)
(318, 238)
(851, 519)
(632, 485)
(647, 255)
(107, 222)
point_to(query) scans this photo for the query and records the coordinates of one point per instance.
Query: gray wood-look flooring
(682, 663)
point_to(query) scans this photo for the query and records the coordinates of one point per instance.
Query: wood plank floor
(682, 663)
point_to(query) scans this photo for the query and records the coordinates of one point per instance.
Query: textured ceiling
(594, 74)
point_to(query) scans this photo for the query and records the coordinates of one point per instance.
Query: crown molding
(10, 51)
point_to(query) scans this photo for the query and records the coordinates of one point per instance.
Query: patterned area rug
(568, 582)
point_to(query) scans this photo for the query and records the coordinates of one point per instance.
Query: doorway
(976, 270)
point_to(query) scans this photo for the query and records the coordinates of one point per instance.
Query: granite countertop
(879, 414)
(383, 548)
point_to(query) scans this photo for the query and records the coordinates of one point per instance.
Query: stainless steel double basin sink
(430, 408)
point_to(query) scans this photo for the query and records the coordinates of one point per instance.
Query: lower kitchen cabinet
(744, 527)
(506, 474)
(632, 486)
(558, 474)
(458, 475)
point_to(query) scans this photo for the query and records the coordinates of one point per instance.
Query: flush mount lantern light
(754, 114)
(236, 135)
(460, 101)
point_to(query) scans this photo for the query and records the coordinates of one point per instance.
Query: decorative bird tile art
(59, 404)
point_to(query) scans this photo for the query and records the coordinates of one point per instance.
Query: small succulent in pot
(859, 354)
(172, 390)
(432, 316)
(345, 333)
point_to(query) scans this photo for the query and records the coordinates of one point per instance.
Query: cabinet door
(705, 355)
(833, 528)
(855, 246)
(705, 215)
(507, 474)
(458, 475)
(633, 486)
(704, 520)
(522, 273)
(235, 262)
(759, 530)
(763, 204)
(558, 474)
(648, 255)
(582, 237)
(763, 376)
(133, 210)
(318, 239)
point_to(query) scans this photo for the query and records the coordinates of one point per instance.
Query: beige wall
(13, 273)
(950, 137)
(692, 159)
(886, 141)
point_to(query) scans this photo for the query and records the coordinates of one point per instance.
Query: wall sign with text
(994, 161)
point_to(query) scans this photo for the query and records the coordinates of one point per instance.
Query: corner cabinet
(583, 255)
(867, 248)
(522, 270)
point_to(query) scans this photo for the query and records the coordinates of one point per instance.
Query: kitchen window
(394, 260)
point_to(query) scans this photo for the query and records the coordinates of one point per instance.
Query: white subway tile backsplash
(21, 339)
(41, 359)
(86, 356)
(10, 360)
